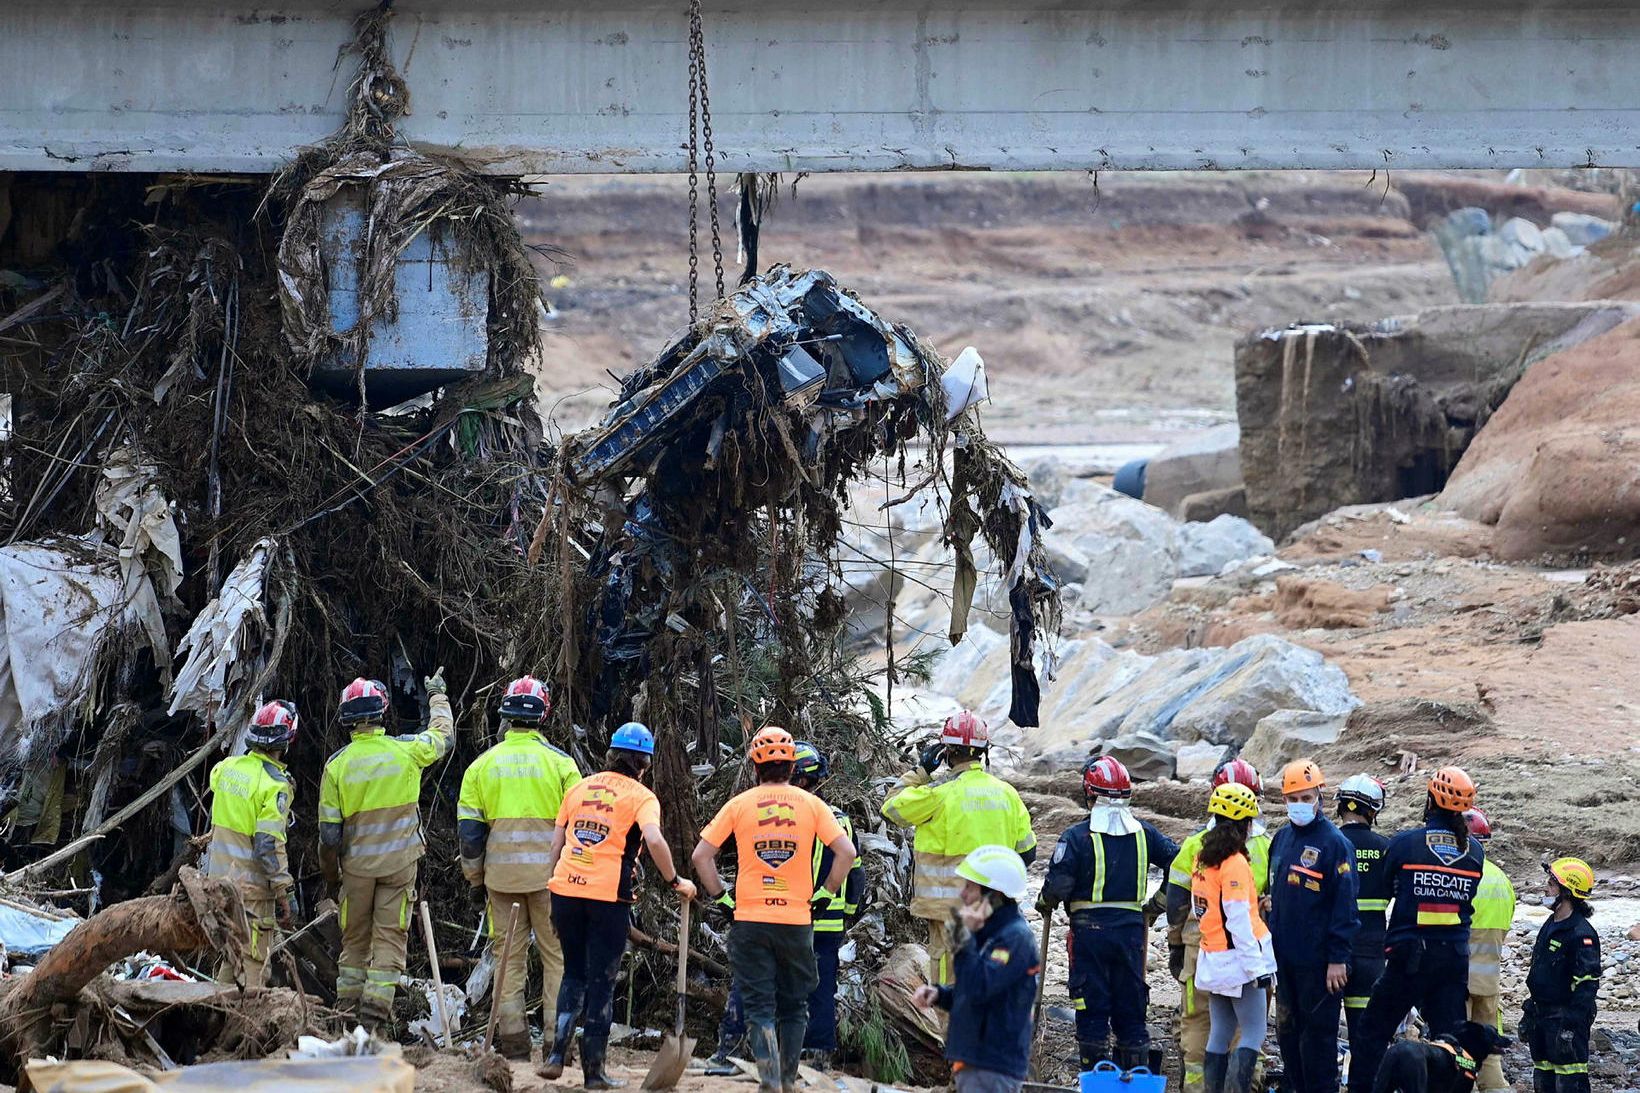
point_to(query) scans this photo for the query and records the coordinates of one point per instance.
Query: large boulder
(1335, 415)
(1557, 468)
(1205, 549)
(1146, 756)
(1286, 735)
(1208, 460)
(1123, 552)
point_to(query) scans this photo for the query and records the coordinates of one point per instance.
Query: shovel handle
(500, 977)
(683, 961)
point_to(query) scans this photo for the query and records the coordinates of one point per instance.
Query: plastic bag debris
(31, 936)
(964, 383)
(357, 1042)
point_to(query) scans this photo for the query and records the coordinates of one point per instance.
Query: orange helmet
(1300, 775)
(1452, 789)
(771, 745)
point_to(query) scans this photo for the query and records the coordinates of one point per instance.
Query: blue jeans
(822, 1034)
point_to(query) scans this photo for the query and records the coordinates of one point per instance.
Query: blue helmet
(811, 762)
(633, 736)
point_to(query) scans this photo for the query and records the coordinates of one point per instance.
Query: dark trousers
(1307, 1027)
(1559, 1064)
(822, 1033)
(1107, 983)
(1434, 976)
(774, 970)
(1364, 973)
(593, 934)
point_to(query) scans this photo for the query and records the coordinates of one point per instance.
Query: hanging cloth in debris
(1025, 708)
(960, 527)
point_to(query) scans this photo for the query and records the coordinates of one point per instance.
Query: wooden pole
(438, 977)
(500, 976)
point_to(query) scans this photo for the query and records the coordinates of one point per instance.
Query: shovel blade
(670, 1062)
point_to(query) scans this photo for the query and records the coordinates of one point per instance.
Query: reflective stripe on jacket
(504, 818)
(1105, 878)
(369, 792)
(962, 810)
(1235, 943)
(251, 798)
(1489, 925)
(830, 917)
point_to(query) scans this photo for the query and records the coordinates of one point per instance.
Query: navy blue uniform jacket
(1312, 894)
(1434, 884)
(995, 991)
(1104, 879)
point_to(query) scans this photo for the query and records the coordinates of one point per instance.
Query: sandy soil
(1106, 311)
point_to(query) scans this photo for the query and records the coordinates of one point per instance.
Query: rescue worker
(1236, 959)
(829, 920)
(1488, 930)
(1434, 871)
(988, 1043)
(1360, 799)
(593, 862)
(251, 797)
(960, 811)
(504, 821)
(1101, 871)
(1184, 931)
(1313, 922)
(1563, 982)
(775, 826)
(370, 838)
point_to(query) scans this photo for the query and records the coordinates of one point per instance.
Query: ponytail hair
(1447, 820)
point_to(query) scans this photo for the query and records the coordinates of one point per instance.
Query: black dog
(1446, 1064)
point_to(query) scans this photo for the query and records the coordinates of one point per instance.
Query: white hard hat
(997, 868)
(1363, 789)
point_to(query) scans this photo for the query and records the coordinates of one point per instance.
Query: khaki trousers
(264, 933)
(534, 916)
(1194, 1023)
(940, 953)
(1483, 1010)
(375, 920)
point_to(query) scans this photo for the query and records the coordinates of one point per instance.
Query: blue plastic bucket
(1107, 1077)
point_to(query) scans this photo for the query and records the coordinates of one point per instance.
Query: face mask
(1301, 813)
(1549, 901)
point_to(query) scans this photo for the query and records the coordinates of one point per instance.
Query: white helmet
(1364, 790)
(997, 868)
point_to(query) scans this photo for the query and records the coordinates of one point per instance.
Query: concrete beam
(547, 86)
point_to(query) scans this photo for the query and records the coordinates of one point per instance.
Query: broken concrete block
(1147, 757)
(1335, 415)
(1207, 548)
(1131, 550)
(1286, 735)
(1199, 760)
(1209, 460)
(1201, 507)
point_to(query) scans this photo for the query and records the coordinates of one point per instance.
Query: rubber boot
(1239, 1079)
(1130, 1056)
(1215, 1068)
(820, 1060)
(514, 1045)
(719, 1065)
(1089, 1052)
(766, 1053)
(563, 1035)
(593, 1053)
(791, 1055)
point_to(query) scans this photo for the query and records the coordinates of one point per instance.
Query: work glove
(930, 758)
(1175, 962)
(822, 896)
(282, 913)
(481, 898)
(435, 682)
(723, 908)
(1045, 906)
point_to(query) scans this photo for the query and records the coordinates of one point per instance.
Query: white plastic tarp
(137, 515)
(31, 936)
(57, 605)
(219, 641)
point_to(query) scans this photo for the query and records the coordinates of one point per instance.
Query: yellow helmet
(1574, 875)
(1233, 801)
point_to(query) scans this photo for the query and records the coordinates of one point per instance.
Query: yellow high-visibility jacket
(504, 817)
(1494, 912)
(963, 809)
(251, 798)
(369, 793)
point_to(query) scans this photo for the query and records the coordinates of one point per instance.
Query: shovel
(676, 1049)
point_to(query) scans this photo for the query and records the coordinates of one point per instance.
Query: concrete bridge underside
(545, 86)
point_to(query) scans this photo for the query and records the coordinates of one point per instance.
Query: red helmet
(966, 730)
(274, 725)
(1238, 772)
(1479, 825)
(527, 699)
(1106, 777)
(363, 700)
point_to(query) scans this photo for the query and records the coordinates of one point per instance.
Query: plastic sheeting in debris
(57, 606)
(137, 517)
(368, 1074)
(231, 625)
(964, 383)
(29, 935)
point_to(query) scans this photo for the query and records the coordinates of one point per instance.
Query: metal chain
(700, 115)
